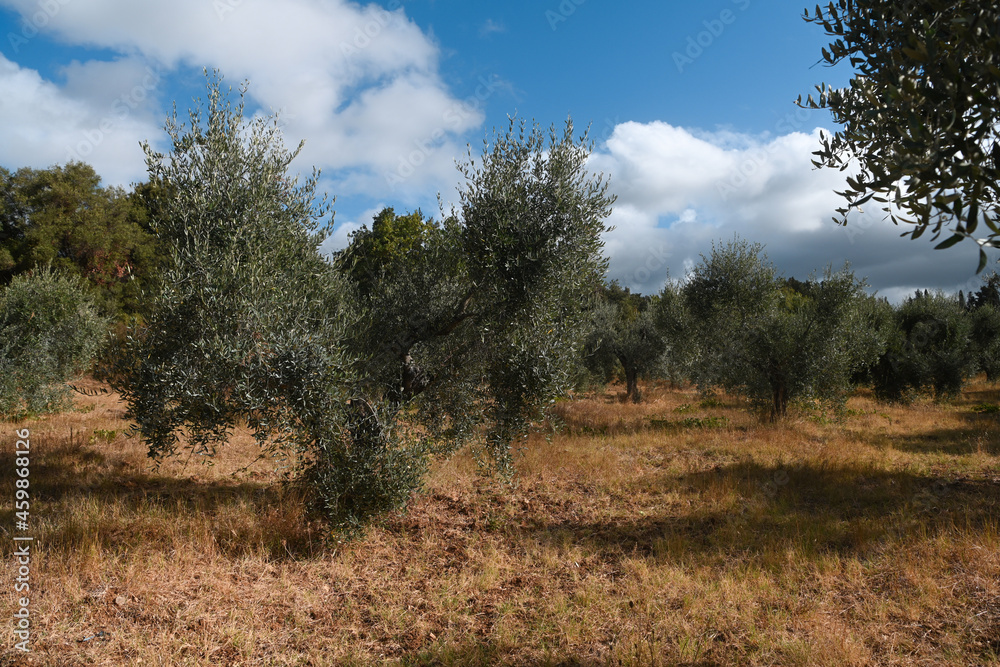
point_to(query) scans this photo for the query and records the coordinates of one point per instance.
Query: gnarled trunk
(779, 401)
(632, 384)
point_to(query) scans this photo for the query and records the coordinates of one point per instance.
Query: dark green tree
(988, 294)
(986, 340)
(395, 244)
(62, 217)
(921, 116)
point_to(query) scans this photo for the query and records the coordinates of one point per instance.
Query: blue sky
(606, 61)
(690, 107)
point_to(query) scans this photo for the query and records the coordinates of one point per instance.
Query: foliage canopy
(248, 323)
(930, 349)
(62, 217)
(775, 344)
(49, 332)
(922, 114)
(485, 307)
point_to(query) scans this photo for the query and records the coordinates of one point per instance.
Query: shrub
(49, 332)
(930, 351)
(986, 340)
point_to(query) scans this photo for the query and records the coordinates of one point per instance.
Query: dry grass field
(675, 532)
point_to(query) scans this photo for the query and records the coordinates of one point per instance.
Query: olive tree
(675, 324)
(249, 323)
(727, 297)
(772, 343)
(50, 331)
(625, 334)
(419, 337)
(931, 350)
(472, 323)
(921, 116)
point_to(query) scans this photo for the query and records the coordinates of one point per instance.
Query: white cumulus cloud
(42, 124)
(679, 190)
(359, 82)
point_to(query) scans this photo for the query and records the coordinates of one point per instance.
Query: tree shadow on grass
(976, 397)
(79, 497)
(765, 510)
(981, 434)
(486, 653)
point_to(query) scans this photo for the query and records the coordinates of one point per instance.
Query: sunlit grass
(656, 533)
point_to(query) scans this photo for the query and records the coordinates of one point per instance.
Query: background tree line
(62, 217)
(735, 324)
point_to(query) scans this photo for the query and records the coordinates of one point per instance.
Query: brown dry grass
(630, 537)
